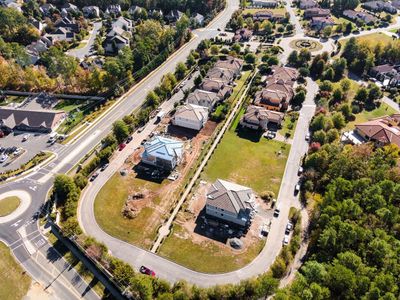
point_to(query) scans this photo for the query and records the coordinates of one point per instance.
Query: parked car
(52, 138)
(289, 227)
(18, 151)
(129, 139)
(300, 171)
(297, 189)
(285, 240)
(147, 271)
(25, 138)
(277, 211)
(3, 158)
(308, 136)
(94, 176)
(271, 135)
(121, 146)
(103, 167)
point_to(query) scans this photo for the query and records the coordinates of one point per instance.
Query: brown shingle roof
(44, 118)
(385, 130)
(229, 196)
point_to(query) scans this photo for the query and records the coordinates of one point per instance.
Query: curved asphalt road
(22, 234)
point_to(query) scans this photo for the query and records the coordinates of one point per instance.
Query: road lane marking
(70, 156)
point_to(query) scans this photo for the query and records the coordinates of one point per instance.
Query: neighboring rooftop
(384, 130)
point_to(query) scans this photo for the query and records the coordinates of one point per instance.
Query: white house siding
(191, 124)
(224, 215)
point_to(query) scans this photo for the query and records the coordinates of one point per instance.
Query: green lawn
(108, 205)
(364, 116)
(8, 205)
(14, 281)
(206, 257)
(247, 159)
(67, 105)
(371, 39)
(289, 124)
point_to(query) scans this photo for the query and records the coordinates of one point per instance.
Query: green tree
(338, 120)
(180, 71)
(152, 99)
(250, 58)
(120, 130)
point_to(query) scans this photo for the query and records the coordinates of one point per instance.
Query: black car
(129, 139)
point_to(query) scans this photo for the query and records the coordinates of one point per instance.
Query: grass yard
(364, 116)
(242, 158)
(14, 281)
(289, 124)
(372, 39)
(280, 11)
(108, 205)
(67, 105)
(8, 205)
(206, 257)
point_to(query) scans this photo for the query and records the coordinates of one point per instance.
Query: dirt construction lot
(143, 197)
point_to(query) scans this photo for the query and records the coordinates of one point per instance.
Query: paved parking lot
(34, 144)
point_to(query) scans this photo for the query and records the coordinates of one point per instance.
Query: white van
(52, 137)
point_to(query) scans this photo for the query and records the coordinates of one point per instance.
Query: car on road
(147, 271)
(285, 241)
(140, 129)
(25, 138)
(121, 146)
(277, 211)
(297, 188)
(3, 158)
(308, 136)
(103, 167)
(94, 176)
(289, 227)
(300, 171)
(129, 139)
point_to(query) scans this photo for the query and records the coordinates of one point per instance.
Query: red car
(147, 271)
(121, 146)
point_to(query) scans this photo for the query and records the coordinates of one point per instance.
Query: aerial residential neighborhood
(210, 149)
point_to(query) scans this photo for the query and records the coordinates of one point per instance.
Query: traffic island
(8, 205)
(308, 44)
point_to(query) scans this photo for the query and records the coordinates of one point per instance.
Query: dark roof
(11, 117)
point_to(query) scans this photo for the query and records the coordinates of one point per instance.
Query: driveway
(85, 51)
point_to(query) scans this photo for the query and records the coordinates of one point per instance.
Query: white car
(285, 240)
(308, 137)
(3, 158)
(297, 188)
(25, 138)
(300, 171)
(18, 151)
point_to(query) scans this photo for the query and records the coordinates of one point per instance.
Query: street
(38, 183)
